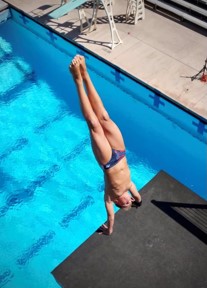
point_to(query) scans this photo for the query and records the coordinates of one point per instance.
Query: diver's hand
(104, 230)
(136, 204)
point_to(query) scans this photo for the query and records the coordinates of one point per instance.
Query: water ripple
(20, 143)
(26, 194)
(33, 250)
(5, 277)
(76, 211)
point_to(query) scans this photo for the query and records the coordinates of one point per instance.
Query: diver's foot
(83, 68)
(75, 70)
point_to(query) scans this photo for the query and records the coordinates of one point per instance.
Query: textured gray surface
(161, 244)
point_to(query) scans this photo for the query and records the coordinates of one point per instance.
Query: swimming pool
(51, 193)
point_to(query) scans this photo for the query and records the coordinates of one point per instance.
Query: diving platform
(66, 8)
(161, 244)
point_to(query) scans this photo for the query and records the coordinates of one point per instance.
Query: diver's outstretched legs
(100, 144)
(111, 130)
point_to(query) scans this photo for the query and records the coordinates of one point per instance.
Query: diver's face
(124, 200)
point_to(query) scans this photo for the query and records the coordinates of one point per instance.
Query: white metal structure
(107, 4)
(136, 9)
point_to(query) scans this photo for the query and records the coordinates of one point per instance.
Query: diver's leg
(100, 144)
(111, 130)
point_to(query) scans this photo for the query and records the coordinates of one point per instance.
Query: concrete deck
(161, 244)
(160, 51)
(3, 5)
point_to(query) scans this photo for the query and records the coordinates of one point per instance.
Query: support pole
(115, 38)
(136, 9)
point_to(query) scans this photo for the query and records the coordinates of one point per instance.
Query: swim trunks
(116, 156)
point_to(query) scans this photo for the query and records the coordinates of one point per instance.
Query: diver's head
(124, 201)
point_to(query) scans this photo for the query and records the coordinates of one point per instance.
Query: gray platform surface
(161, 244)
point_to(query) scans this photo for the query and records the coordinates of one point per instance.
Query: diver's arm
(108, 229)
(137, 197)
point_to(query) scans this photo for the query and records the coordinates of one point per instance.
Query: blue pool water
(51, 189)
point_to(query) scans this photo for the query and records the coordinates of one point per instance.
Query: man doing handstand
(107, 144)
